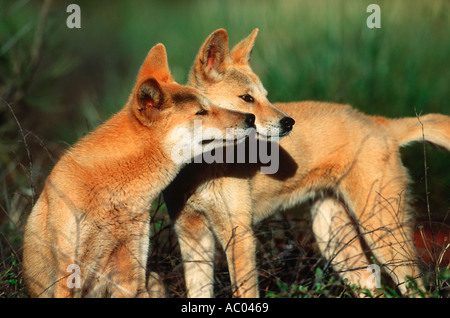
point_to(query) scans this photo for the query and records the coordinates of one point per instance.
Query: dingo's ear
(242, 51)
(148, 98)
(156, 65)
(211, 60)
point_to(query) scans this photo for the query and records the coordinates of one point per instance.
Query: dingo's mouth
(285, 133)
(234, 136)
(224, 141)
(279, 135)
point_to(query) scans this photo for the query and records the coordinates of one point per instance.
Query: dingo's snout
(286, 125)
(250, 121)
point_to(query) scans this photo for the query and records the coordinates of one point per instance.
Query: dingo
(88, 234)
(346, 162)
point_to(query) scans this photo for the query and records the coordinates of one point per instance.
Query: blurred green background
(61, 83)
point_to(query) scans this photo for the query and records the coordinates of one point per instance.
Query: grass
(61, 83)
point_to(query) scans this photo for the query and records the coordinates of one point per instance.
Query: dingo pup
(346, 162)
(88, 234)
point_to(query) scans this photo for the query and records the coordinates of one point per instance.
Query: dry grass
(58, 84)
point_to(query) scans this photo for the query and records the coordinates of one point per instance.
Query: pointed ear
(242, 51)
(212, 58)
(149, 97)
(156, 65)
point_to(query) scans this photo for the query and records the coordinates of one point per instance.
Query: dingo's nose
(287, 123)
(250, 121)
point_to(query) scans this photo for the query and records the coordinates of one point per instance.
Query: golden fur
(347, 163)
(92, 217)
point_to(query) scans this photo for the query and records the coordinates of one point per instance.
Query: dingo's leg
(241, 253)
(239, 244)
(339, 242)
(128, 278)
(384, 222)
(121, 263)
(197, 247)
(389, 238)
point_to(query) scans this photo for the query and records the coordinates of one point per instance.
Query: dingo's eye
(201, 112)
(247, 98)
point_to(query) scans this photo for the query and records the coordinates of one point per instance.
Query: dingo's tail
(434, 128)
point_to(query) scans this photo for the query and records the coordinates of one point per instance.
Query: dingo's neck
(126, 158)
